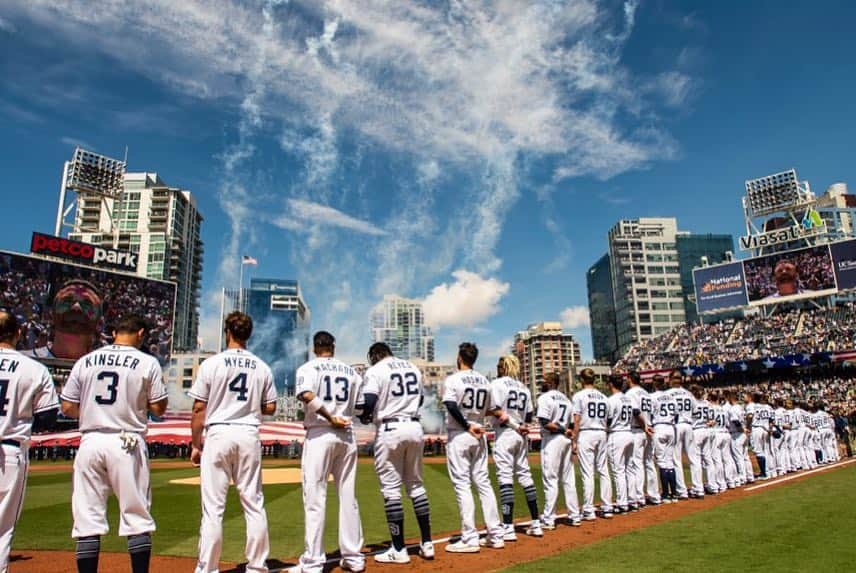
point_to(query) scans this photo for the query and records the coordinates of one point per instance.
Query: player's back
(642, 400)
(512, 397)
(702, 414)
(335, 383)
(398, 386)
(26, 388)
(471, 392)
(664, 406)
(720, 416)
(685, 404)
(761, 415)
(234, 384)
(592, 407)
(114, 386)
(620, 415)
(555, 407)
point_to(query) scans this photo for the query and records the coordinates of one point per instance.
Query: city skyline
(480, 177)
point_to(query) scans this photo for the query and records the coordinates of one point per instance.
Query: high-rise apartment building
(280, 327)
(400, 322)
(162, 225)
(650, 284)
(542, 348)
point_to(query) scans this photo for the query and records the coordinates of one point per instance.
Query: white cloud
(574, 317)
(468, 301)
(302, 214)
(674, 88)
(7, 26)
(75, 142)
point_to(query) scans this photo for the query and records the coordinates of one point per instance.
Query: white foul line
(799, 475)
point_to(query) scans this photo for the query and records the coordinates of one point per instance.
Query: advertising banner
(844, 258)
(67, 310)
(83, 253)
(719, 287)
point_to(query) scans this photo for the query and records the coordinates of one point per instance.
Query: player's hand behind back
(195, 456)
(476, 430)
(340, 422)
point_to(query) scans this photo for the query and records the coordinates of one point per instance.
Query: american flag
(248, 260)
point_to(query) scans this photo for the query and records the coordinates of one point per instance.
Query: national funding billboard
(779, 277)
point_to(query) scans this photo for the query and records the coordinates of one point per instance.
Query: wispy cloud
(614, 198)
(7, 26)
(75, 142)
(303, 214)
(575, 317)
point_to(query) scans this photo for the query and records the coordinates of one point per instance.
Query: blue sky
(470, 153)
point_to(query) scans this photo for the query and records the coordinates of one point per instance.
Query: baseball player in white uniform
(800, 454)
(827, 436)
(758, 416)
(703, 423)
(779, 444)
(722, 460)
(232, 391)
(590, 414)
(557, 463)
(27, 400)
(329, 389)
(466, 396)
(643, 467)
(392, 397)
(622, 413)
(685, 402)
(663, 418)
(511, 447)
(739, 437)
(111, 390)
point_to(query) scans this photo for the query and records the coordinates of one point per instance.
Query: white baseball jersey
(620, 412)
(702, 414)
(26, 388)
(235, 384)
(665, 410)
(471, 392)
(592, 408)
(334, 383)
(796, 419)
(641, 400)
(398, 386)
(554, 407)
(720, 416)
(512, 397)
(736, 417)
(114, 386)
(782, 418)
(761, 416)
(685, 403)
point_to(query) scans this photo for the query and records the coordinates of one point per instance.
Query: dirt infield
(524, 550)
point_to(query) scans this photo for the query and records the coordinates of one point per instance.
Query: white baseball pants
(329, 451)
(644, 469)
(620, 447)
(703, 438)
(466, 458)
(398, 458)
(13, 481)
(664, 446)
(104, 464)
(557, 473)
(511, 457)
(739, 454)
(232, 453)
(592, 455)
(685, 444)
(723, 461)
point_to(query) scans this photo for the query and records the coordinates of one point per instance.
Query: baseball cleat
(576, 522)
(461, 547)
(392, 555)
(294, 569)
(548, 525)
(694, 495)
(589, 517)
(607, 515)
(492, 544)
(426, 550)
(510, 534)
(534, 529)
(345, 566)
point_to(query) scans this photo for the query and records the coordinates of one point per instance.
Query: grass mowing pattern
(801, 526)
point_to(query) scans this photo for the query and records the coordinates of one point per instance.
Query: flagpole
(241, 288)
(222, 311)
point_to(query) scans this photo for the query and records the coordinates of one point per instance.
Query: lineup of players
(635, 439)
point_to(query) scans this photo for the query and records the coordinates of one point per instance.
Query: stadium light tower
(90, 174)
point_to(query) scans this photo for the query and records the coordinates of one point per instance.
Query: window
(187, 383)
(656, 270)
(187, 372)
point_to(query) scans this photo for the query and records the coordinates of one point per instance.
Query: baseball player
(392, 396)
(232, 391)
(806, 438)
(814, 426)
(779, 443)
(557, 462)
(643, 469)
(800, 454)
(622, 413)
(27, 401)
(590, 414)
(663, 417)
(684, 440)
(722, 460)
(329, 389)
(703, 423)
(111, 390)
(511, 448)
(739, 430)
(758, 415)
(466, 396)
(827, 435)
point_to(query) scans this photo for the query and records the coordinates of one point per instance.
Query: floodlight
(773, 193)
(89, 172)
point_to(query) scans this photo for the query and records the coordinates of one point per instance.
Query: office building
(162, 225)
(179, 377)
(280, 327)
(541, 348)
(400, 322)
(602, 311)
(696, 250)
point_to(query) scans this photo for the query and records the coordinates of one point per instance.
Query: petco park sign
(83, 253)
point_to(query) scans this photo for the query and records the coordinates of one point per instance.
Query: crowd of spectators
(748, 338)
(814, 268)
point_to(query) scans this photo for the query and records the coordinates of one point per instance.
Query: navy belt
(400, 419)
(664, 424)
(13, 443)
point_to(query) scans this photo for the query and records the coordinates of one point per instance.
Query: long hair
(510, 366)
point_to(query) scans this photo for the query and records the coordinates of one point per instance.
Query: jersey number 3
(112, 388)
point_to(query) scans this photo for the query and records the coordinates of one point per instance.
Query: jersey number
(111, 388)
(344, 389)
(239, 386)
(4, 401)
(517, 401)
(474, 398)
(626, 413)
(645, 404)
(406, 385)
(562, 418)
(597, 410)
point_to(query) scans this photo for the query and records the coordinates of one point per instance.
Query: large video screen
(68, 310)
(779, 277)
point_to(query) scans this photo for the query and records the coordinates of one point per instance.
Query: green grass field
(803, 526)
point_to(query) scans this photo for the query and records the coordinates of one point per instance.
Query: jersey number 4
(239, 386)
